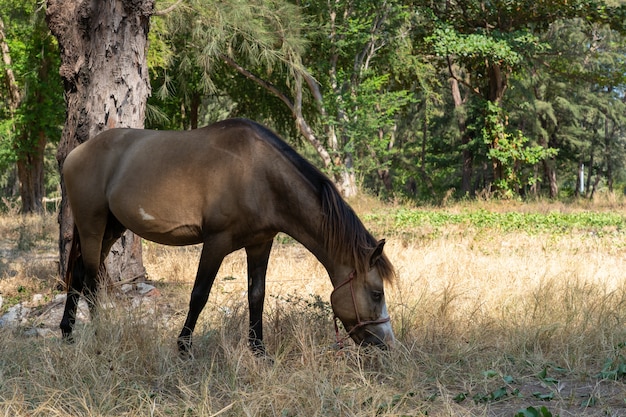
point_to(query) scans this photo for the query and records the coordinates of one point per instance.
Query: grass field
(500, 309)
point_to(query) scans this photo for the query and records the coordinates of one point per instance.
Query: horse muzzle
(377, 333)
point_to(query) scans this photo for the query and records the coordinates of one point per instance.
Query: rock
(38, 299)
(14, 316)
(41, 318)
(40, 332)
(147, 290)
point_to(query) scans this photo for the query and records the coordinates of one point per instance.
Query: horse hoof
(68, 337)
(184, 348)
(257, 347)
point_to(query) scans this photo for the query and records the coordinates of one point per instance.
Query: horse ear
(377, 253)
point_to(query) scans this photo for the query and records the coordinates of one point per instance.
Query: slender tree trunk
(29, 166)
(31, 150)
(589, 174)
(467, 156)
(346, 178)
(579, 180)
(30, 173)
(548, 164)
(498, 79)
(194, 110)
(608, 135)
(549, 172)
(422, 165)
(103, 45)
(9, 76)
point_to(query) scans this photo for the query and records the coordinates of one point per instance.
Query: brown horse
(234, 184)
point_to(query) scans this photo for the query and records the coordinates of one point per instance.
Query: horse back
(176, 187)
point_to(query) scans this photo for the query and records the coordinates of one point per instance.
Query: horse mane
(344, 232)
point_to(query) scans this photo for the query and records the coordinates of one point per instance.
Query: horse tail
(72, 259)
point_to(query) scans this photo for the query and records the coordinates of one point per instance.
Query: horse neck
(305, 225)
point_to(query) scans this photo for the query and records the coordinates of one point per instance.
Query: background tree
(404, 98)
(33, 105)
(490, 44)
(103, 48)
(262, 43)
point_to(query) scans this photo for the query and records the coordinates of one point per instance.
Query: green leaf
(545, 397)
(534, 412)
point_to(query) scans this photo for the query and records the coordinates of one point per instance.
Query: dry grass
(488, 323)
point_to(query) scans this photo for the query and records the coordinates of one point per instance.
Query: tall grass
(490, 320)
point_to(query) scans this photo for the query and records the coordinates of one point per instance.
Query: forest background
(408, 99)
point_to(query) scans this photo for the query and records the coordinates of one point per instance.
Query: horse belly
(181, 236)
(166, 226)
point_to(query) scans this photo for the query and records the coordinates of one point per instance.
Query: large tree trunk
(103, 46)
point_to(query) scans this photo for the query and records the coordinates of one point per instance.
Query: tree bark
(103, 45)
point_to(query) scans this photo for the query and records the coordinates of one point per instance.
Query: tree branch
(167, 9)
(460, 80)
(265, 84)
(294, 107)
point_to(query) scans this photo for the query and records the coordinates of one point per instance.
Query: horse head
(359, 302)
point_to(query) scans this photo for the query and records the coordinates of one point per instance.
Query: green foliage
(541, 87)
(512, 154)
(589, 222)
(190, 79)
(34, 62)
(615, 366)
(534, 412)
(496, 48)
(371, 113)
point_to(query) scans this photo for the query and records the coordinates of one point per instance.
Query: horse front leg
(258, 257)
(207, 270)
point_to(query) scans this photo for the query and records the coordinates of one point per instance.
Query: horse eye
(377, 296)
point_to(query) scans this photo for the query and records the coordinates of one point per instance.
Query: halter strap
(359, 323)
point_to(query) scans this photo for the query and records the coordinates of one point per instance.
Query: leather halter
(359, 323)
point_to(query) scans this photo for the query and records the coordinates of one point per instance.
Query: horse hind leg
(83, 280)
(75, 287)
(86, 269)
(113, 231)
